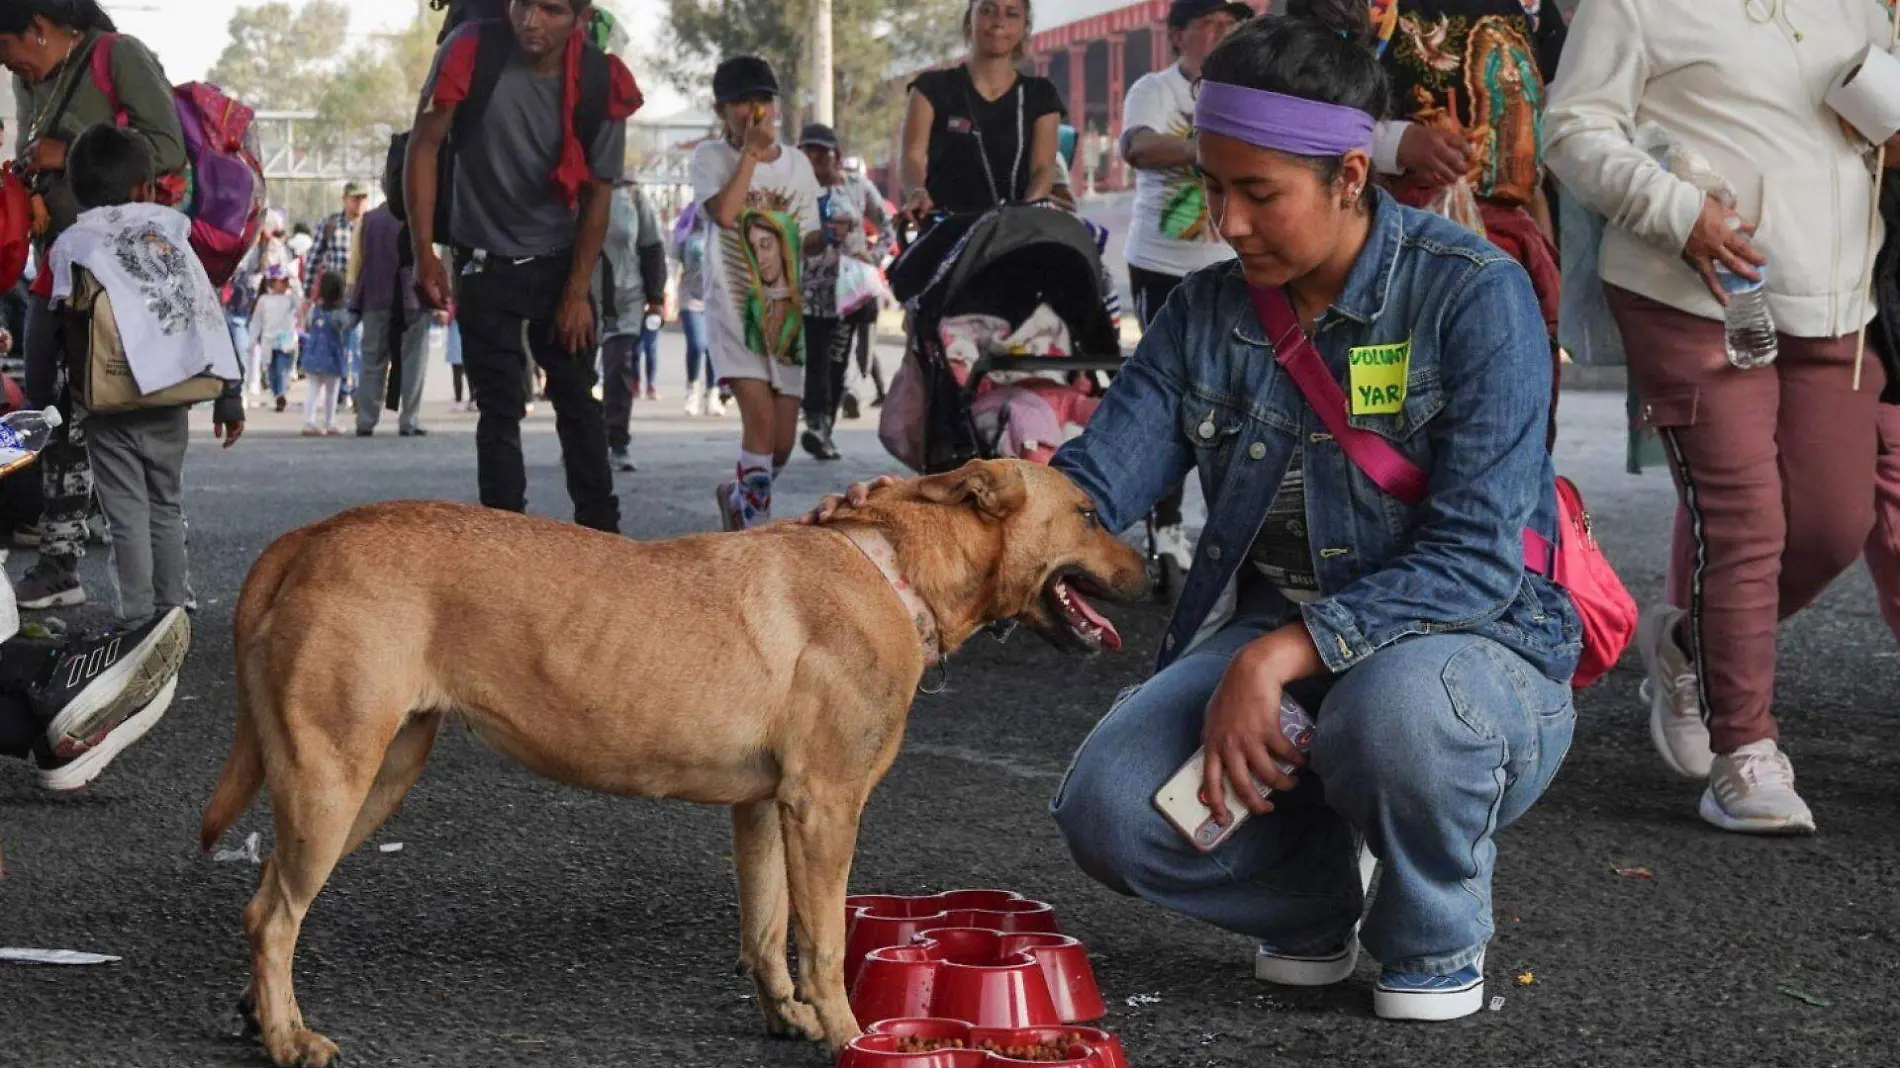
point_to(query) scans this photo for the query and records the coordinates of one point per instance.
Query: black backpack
(461, 11)
(496, 44)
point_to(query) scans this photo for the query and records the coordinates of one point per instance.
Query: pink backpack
(222, 190)
(1576, 563)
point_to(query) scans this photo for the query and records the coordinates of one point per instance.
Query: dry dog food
(1039, 1051)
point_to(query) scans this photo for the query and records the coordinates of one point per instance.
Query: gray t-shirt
(504, 200)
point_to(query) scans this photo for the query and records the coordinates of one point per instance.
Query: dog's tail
(244, 768)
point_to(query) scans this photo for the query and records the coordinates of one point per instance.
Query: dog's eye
(1090, 517)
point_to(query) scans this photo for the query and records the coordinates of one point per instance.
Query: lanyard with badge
(982, 150)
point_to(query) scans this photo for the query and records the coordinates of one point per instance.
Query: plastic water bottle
(23, 434)
(1749, 328)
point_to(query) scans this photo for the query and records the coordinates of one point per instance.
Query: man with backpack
(520, 137)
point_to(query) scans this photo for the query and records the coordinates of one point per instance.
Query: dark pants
(862, 325)
(23, 664)
(620, 383)
(65, 472)
(455, 375)
(827, 357)
(507, 311)
(1151, 291)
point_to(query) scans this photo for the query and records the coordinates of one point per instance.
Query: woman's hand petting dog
(852, 498)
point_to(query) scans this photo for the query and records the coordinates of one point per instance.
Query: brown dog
(356, 635)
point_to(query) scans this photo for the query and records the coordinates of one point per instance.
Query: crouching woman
(1436, 662)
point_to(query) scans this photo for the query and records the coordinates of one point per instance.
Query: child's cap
(276, 272)
(741, 77)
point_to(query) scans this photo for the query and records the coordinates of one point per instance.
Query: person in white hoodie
(1774, 465)
(274, 330)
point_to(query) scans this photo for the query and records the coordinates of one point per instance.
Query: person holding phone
(1435, 660)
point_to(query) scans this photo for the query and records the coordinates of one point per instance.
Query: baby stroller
(1009, 317)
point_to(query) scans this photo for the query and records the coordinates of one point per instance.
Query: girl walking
(326, 355)
(274, 326)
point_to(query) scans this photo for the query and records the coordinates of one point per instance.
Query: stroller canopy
(1006, 262)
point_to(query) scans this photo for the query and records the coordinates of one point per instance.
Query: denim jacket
(1203, 392)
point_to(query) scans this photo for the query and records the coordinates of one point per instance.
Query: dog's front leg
(821, 833)
(759, 851)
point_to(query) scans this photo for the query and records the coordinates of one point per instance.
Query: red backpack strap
(102, 76)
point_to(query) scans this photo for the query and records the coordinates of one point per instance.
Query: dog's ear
(994, 489)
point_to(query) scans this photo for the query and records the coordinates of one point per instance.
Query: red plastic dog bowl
(874, 921)
(913, 1043)
(980, 976)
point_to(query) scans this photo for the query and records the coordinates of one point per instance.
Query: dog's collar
(877, 548)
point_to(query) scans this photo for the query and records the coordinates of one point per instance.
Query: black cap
(817, 133)
(1182, 12)
(741, 77)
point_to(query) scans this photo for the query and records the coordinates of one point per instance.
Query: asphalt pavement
(524, 923)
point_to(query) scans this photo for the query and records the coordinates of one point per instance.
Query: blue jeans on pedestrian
(353, 370)
(647, 356)
(693, 325)
(1426, 749)
(281, 363)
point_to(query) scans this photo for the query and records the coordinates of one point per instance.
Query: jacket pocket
(1212, 428)
(1424, 398)
(1670, 408)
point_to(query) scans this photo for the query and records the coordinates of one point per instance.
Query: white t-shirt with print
(786, 192)
(1171, 232)
(170, 320)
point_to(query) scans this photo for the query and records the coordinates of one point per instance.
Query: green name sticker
(1378, 377)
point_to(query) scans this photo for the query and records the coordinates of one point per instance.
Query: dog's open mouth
(1083, 623)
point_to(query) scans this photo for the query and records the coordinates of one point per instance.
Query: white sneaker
(1319, 969)
(1674, 692)
(1752, 791)
(1172, 542)
(696, 400)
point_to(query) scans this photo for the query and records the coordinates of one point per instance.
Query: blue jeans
(648, 354)
(281, 363)
(1427, 748)
(693, 325)
(353, 370)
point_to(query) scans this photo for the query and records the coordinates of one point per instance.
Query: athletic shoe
(49, 585)
(696, 400)
(313, 432)
(102, 681)
(282, 403)
(413, 432)
(365, 431)
(71, 774)
(1172, 543)
(848, 405)
(730, 517)
(1674, 693)
(653, 393)
(819, 444)
(1752, 791)
(621, 459)
(1316, 969)
(1419, 996)
(332, 432)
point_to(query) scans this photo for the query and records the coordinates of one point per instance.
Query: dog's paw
(247, 1012)
(841, 1034)
(791, 1018)
(301, 1048)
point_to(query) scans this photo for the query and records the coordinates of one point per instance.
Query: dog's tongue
(1110, 636)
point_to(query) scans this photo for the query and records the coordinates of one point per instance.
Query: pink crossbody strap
(1384, 464)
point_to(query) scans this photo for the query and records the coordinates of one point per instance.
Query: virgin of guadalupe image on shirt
(1184, 209)
(765, 245)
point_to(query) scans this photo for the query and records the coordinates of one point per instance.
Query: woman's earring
(40, 39)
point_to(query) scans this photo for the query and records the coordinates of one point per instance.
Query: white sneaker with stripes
(1674, 694)
(1752, 791)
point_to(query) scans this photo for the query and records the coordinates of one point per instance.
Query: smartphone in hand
(1179, 800)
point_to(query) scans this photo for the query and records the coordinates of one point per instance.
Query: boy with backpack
(172, 330)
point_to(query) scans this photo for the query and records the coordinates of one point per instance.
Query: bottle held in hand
(1747, 325)
(23, 434)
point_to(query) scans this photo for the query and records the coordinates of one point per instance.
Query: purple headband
(1284, 123)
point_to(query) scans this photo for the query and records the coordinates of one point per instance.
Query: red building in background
(1093, 55)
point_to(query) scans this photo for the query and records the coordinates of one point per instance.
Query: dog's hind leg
(759, 851)
(402, 766)
(821, 832)
(314, 796)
